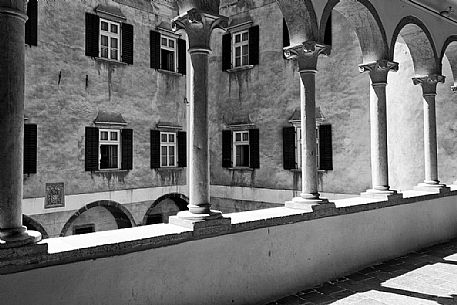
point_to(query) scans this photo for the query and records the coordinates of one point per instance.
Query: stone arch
(366, 22)
(420, 43)
(180, 200)
(301, 20)
(123, 217)
(450, 50)
(34, 225)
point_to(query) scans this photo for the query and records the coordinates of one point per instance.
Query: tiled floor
(424, 277)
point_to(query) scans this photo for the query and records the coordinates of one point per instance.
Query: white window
(168, 54)
(240, 48)
(241, 148)
(110, 39)
(109, 149)
(298, 146)
(168, 149)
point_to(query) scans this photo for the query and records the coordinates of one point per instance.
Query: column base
(381, 194)
(308, 200)
(202, 225)
(12, 238)
(432, 187)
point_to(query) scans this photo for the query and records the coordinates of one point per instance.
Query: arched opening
(449, 52)
(164, 207)
(301, 20)
(101, 215)
(34, 225)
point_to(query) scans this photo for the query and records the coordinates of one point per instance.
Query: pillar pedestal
(12, 63)
(306, 55)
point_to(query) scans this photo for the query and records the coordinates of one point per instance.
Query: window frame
(298, 147)
(242, 142)
(167, 145)
(170, 49)
(110, 36)
(242, 43)
(109, 142)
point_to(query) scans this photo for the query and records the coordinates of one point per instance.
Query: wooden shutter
(328, 31)
(182, 56)
(127, 148)
(254, 45)
(325, 147)
(285, 34)
(154, 45)
(92, 33)
(288, 147)
(182, 149)
(226, 148)
(226, 51)
(254, 148)
(31, 25)
(155, 149)
(91, 149)
(127, 43)
(30, 148)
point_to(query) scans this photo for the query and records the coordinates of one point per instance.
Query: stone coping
(64, 250)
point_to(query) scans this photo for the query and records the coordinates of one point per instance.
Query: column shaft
(308, 129)
(430, 143)
(199, 176)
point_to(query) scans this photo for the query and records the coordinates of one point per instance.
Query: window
(109, 39)
(240, 148)
(167, 52)
(168, 149)
(31, 25)
(84, 229)
(108, 149)
(292, 142)
(240, 48)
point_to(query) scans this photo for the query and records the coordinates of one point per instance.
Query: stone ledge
(65, 250)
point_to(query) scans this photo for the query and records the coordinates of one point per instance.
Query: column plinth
(12, 63)
(378, 71)
(307, 55)
(198, 26)
(431, 182)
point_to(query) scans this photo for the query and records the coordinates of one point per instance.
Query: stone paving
(428, 276)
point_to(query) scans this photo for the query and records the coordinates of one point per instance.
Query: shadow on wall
(34, 225)
(164, 207)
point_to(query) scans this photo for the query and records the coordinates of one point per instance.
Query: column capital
(378, 70)
(199, 25)
(14, 7)
(454, 88)
(428, 82)
(307, 54)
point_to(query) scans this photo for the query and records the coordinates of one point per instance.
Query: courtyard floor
(428, 276)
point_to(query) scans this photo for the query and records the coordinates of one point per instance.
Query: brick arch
(180, 200)
(420, 43)
(450, 50)
(123, 217)
(301, 20)
(368, 26)
(34, 225)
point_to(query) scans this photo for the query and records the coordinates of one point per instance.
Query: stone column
(198, 26)
(307, 55)
(378, 127)
(12, 65)
(428, 84)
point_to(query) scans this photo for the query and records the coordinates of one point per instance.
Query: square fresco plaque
(55, 195)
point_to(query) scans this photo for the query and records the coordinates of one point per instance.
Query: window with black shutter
(325, 147)
(167, 53)
(182, 149)
(127, 43)
(92, 35)
(254, 148)
(31, 25)
(288, 147)
(30, 148)
(226, 148)
(127, 149)
(168, 149)
(155, 149)
(226, 51)
(240, 48)
(91, 149)
(254, 45)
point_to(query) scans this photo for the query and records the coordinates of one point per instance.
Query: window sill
(248, 169)
(169, 72)
(298, 170)
(110, 61)
(108, 170)
(238, 69)
(165, 169)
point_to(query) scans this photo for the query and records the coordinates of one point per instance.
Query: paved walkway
(428, 276)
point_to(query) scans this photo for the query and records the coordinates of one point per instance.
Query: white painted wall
(243, 268)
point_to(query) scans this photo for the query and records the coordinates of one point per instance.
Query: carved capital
(198, 26)
(454, 88)
(378, 70)
(16, 8)
(428, 82)
(307, 54)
